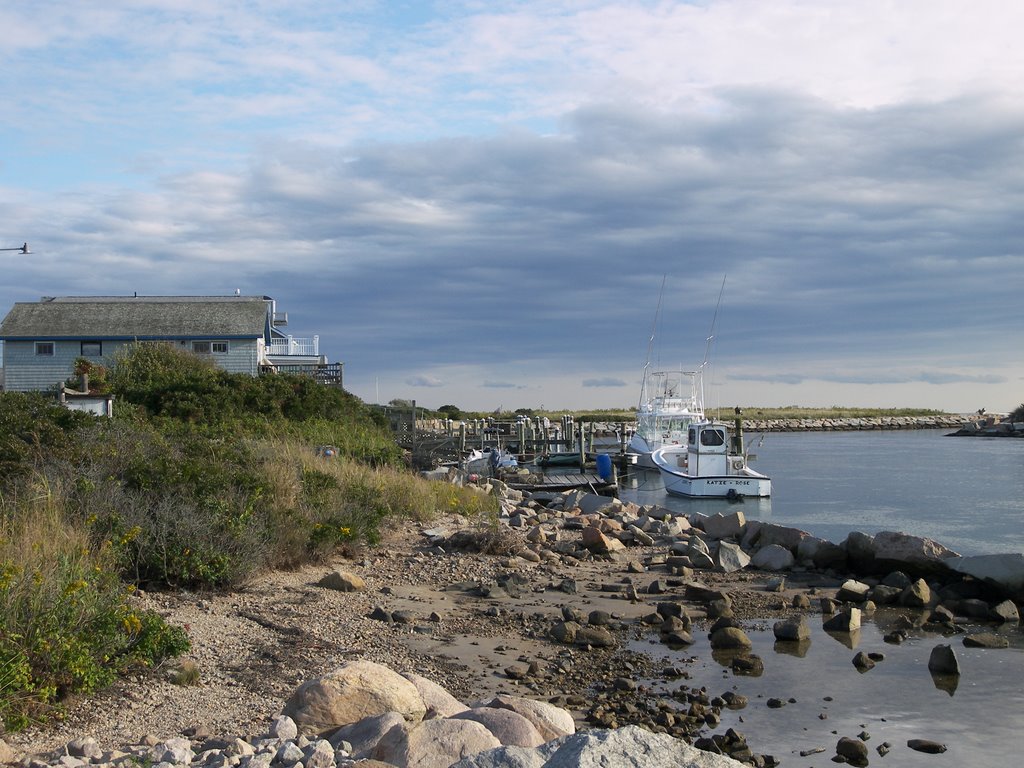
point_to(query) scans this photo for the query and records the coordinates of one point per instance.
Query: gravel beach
(254, 646)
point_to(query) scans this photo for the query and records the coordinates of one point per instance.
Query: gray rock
(860, 551)
(863, 662)
(719, 526)
(351, 692)
(985, 640)
(434, 743)
(773, 557)
(510, 728)
(847, 620)
(916, 552)
(85, 746)
(1005, 571)
(1006, 612)
(853, 591)
(943, 661)
(288, 754)
(438, 701)
(283, 727)
(730, 558)
(853, 751)
(916, 595)
(627, 747)
(549, 720)
(364, 735)
(927, 746)
(792, 630)
(728, 638)
(784, 536)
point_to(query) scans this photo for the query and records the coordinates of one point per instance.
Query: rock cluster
(668, 568)
(366, 714)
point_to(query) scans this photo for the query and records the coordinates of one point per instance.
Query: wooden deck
(563, 481)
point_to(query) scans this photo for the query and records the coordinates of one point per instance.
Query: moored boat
(712, 463)
(669, 404)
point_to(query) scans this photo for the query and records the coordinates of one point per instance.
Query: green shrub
(66, 624)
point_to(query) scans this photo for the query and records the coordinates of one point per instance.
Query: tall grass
(66, 625)
(202, 480)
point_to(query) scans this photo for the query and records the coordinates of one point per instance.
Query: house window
(44, 348)
(92, 349)
(210, 347)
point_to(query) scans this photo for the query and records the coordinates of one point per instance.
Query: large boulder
(510, 728)
(729, 557)
(364, 735)
(626, 747)
(719, 526)
(438, 701)
(911, 554)
(351, 692)
(434, 743)
(549, 720)
(784, 536)
(773, 557)
(860, 551)
(1006, 571)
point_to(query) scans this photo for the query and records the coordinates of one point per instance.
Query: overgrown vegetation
(202, 479)
(1018, 414)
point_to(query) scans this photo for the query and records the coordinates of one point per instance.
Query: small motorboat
(711, 464)
(489, 459)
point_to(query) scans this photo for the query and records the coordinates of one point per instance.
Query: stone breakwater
(853, 425)
(573, 578)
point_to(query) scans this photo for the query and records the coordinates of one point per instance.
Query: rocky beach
(567, 602)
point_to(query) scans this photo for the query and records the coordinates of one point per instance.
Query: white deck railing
(293, 346)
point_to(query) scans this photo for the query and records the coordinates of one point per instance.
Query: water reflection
(897, 699)
(644, 487)
(850, 639)
(947, 683)
(797, 648)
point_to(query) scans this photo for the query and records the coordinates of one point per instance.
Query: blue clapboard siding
(24, 370)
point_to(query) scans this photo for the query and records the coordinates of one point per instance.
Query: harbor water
(964, 492)
(967, 493)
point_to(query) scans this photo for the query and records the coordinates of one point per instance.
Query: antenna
(650, 343)
(711, 336)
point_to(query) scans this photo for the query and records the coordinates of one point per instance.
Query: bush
(66, 625)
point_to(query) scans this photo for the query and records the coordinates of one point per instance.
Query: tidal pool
(979, 716)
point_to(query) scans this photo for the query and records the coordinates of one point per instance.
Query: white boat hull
(740, 479)
(724, 487)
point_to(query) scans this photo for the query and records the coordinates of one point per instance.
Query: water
(827, 697)
(966, 493)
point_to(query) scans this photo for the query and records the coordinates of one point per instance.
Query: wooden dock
(563, 481)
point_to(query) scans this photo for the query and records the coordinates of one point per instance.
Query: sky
(498, 205)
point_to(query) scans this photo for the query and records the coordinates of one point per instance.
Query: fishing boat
(713, 463)
(489, 459)
(669, 404)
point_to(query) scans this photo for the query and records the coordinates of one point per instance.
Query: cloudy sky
(476, 202)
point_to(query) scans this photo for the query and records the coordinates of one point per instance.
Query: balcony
(331, 374)
(293, 346)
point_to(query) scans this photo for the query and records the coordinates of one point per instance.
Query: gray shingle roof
(126, 317)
